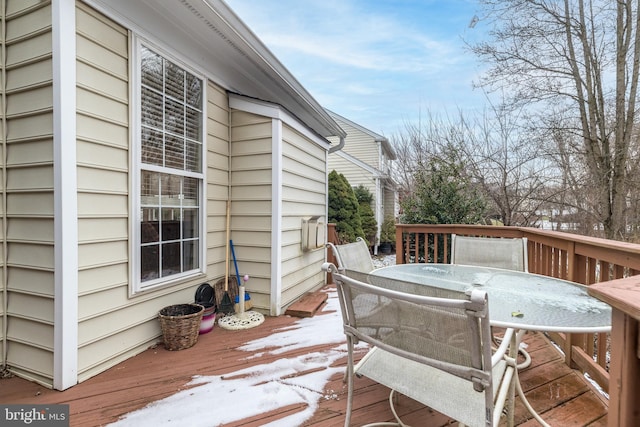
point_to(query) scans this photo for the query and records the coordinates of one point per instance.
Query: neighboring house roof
(222, 44)
(386, 146)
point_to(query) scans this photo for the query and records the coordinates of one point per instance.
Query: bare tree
(501, 161)
(415, 145)
(583, 56)
(508, 165)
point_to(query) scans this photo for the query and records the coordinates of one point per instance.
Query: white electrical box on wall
(321, 239)
(313, 233)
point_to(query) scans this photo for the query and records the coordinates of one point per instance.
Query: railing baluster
(436, 253)
(591, 271)
(601, 356)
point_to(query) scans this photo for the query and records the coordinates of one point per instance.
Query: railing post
(571, 261)
(624, 370)
(580, 274)
(400, 250)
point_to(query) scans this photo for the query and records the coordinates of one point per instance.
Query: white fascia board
(274, 111)
(65, 329)
(276, 217)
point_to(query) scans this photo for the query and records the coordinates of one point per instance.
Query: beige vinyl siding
(29, 189)
(3, 287)
(304, 194)
(217, 179)
(355, 174)
(364, 148)
(112, 325)
(103, 187)
(389, 203)
(360, 145)
(251, 206)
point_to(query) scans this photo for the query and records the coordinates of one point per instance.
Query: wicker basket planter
(180, 325)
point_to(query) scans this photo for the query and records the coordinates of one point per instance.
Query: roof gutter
(265, 60)
(337, 147)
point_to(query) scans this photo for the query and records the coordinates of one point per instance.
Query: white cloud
(376, 63)
(341, 34)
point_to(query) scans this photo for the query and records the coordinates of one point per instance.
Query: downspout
(337, 147)
(379, 212)
(275, 300)
(379, 215)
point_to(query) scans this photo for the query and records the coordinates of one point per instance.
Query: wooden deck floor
(562, 396)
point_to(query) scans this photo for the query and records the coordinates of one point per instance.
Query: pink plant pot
(208, 320)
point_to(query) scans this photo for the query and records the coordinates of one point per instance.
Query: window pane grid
(169, 224)
(171, 121)
(171, 106)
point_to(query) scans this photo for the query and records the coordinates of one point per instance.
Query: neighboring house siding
(389, 203)
(29, 189)
(251, 208)
(355, 174)
(304, 194)
(364, 161)
(360, 145)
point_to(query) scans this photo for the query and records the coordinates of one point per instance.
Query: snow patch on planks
(307, 305)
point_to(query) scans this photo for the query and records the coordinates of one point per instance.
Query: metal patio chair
(353, 256)
(498, 252)
(431, 345)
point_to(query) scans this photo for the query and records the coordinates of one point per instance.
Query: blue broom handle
(235, 263)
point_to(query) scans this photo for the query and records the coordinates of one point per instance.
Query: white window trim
(136, 286)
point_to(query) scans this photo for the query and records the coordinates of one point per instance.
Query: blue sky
(379, 63)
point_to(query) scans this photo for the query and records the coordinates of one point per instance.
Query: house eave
(384, 141)
(213, 31)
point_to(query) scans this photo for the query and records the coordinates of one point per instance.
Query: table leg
(522, 351)
(525, 354)
(513, 352)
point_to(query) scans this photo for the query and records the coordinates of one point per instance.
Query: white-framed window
(168, 182)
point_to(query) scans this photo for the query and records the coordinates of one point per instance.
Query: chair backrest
(353, 256)
(444, 329)
(507, 253)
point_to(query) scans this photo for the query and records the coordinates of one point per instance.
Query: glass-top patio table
(518, 300)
